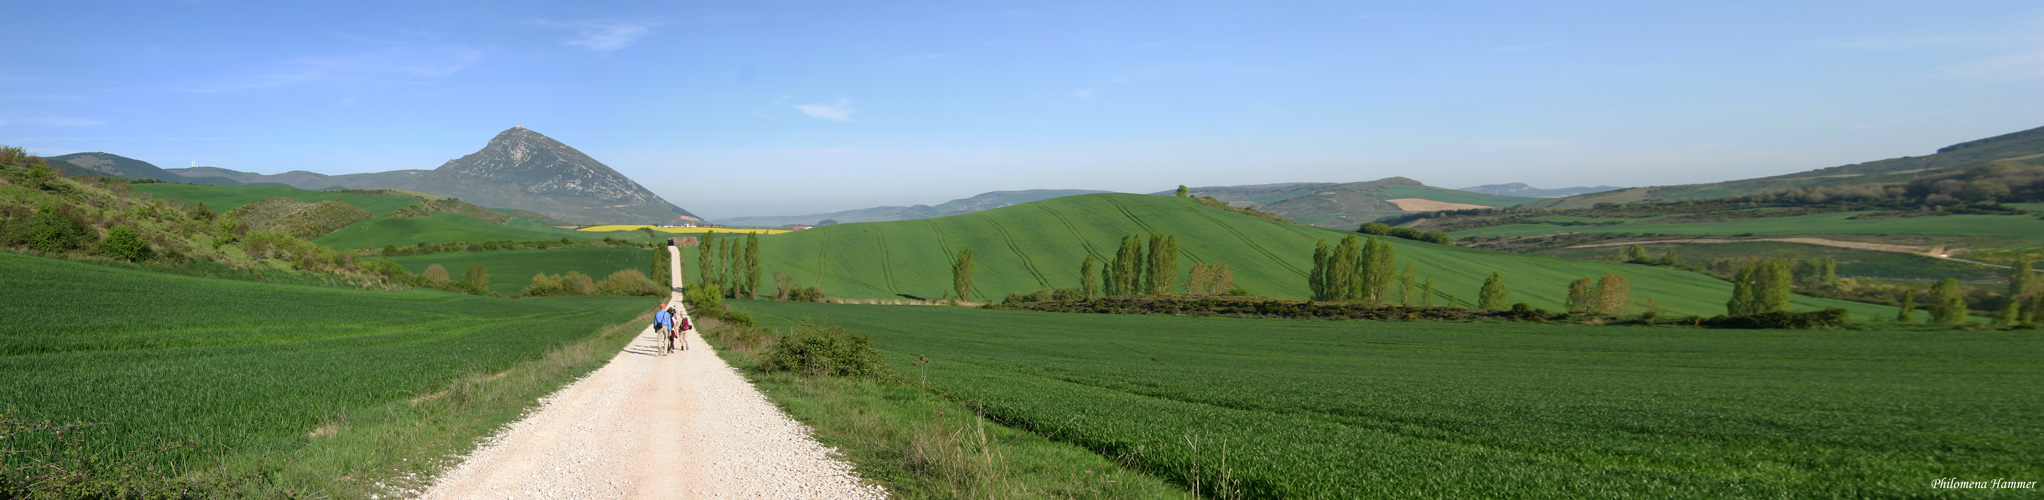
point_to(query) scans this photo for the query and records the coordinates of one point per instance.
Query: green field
(1350, 409)
(511, 270)
(1851, 262)
(222, 199)
(251, 366)
(1041, 245)
(2023, 230)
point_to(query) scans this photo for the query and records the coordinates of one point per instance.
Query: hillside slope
(1041, 245)
(976, 203)
(2027, 146)
(1346, 205)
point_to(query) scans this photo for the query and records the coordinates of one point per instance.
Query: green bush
(1828, 318)
(53, 230)
(819, 350)
(122, 243)
(630, 282)
(704, 299)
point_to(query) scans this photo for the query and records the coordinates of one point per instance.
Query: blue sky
(762, 108)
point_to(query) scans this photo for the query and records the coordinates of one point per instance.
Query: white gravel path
(684, 425)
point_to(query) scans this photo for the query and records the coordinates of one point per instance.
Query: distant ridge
(979, 202)
(1348, 205)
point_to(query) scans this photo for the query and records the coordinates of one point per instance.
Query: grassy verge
(921, 446)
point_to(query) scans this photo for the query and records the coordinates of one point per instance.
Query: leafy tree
(1827, 272)
(51, 230)
(1342, 265)
(1638, 255)
(1613, 294)
(1947, 304)
(1494, 294)
(122, 243)
(1182, 192)
(663, 273)
(2009, 314)
(199, 212)
(1773, 287)
(477, 276)
(733, 269)
(1671, 259)
(1908, 312)
(1161, 270)
(1742, 293)
(1088, 283)
(961, 275)
(2023, 281)
(1581, 298)
(1426, 292)
(1124, 276)
(2034, 312)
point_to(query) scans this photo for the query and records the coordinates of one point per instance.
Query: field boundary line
(886, 269)
(1251, 242)
(1074, 229)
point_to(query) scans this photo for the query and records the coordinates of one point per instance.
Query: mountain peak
(520, 162)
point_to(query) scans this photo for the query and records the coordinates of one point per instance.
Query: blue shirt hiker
(662, 321)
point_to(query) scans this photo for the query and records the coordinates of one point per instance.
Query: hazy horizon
(732, 109)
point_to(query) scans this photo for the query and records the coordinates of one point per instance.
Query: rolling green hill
(1041, 245)
(223, 199)
(2005, 230)
(511, 270)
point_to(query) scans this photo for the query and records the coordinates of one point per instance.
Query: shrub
(811, 293)
(819, 350)
(54, 230)
(630, 282)
(1068, 293)
(544, 285)
(704, 299)
(1828, 318)
(433, 273)
(579, 284)
(477, 276)
(122, 243)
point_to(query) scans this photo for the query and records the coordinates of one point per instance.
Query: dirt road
(684, 425)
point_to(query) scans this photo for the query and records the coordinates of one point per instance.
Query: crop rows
(1356, 409)
(252, 366)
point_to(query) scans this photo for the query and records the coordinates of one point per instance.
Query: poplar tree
(1341, 269)
(1405, 282)
(1908, 312)
(1947, 304)
(1376, 267)
(752, 269)
(477, 276)
(1088, 283)
(961, 275)
(1161, 270)
(1742, 293)
(1124, 275)
(2022, 281)
(706, 256)
(1827, 272)
(1494, 295)
(1317, 279)
(1773, 285)
(724, 268)
(1426, 293)
(1580, 296)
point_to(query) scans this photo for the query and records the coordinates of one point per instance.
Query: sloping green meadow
(222, 199)
(1356, 409)
(511, 270)
(251, 366)
(1042, 244)
(442, 227)
(2012, 229)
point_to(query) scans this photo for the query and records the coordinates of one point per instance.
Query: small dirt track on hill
(684, 425)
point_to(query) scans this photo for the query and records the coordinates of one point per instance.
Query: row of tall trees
(731, 265)
(1354, 270)
(1135, 271)
(1610, 295)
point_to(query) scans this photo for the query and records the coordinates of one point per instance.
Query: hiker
(684, 327)
(663, 324)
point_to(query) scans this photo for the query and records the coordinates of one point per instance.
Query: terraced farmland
(252, 366)
(1346, 409)
(511, 270)
(1041, 245)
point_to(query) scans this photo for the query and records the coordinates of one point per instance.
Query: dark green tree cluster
(731, 265)
(961, 275)
(1494, 294)
(1354, 270)
(1610, 295)
(1088, 282)
(1761, 288)
(1135, 271)
(1435, 237)
(1947, 303)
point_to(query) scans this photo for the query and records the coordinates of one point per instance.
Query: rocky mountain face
(522, 169)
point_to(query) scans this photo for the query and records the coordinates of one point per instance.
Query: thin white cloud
(1526, 47)
(841, 111)
(608, 36)
(392, 64)
(47, 120)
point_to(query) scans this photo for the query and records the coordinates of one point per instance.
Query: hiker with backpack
(683, 328)
(663, 325)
